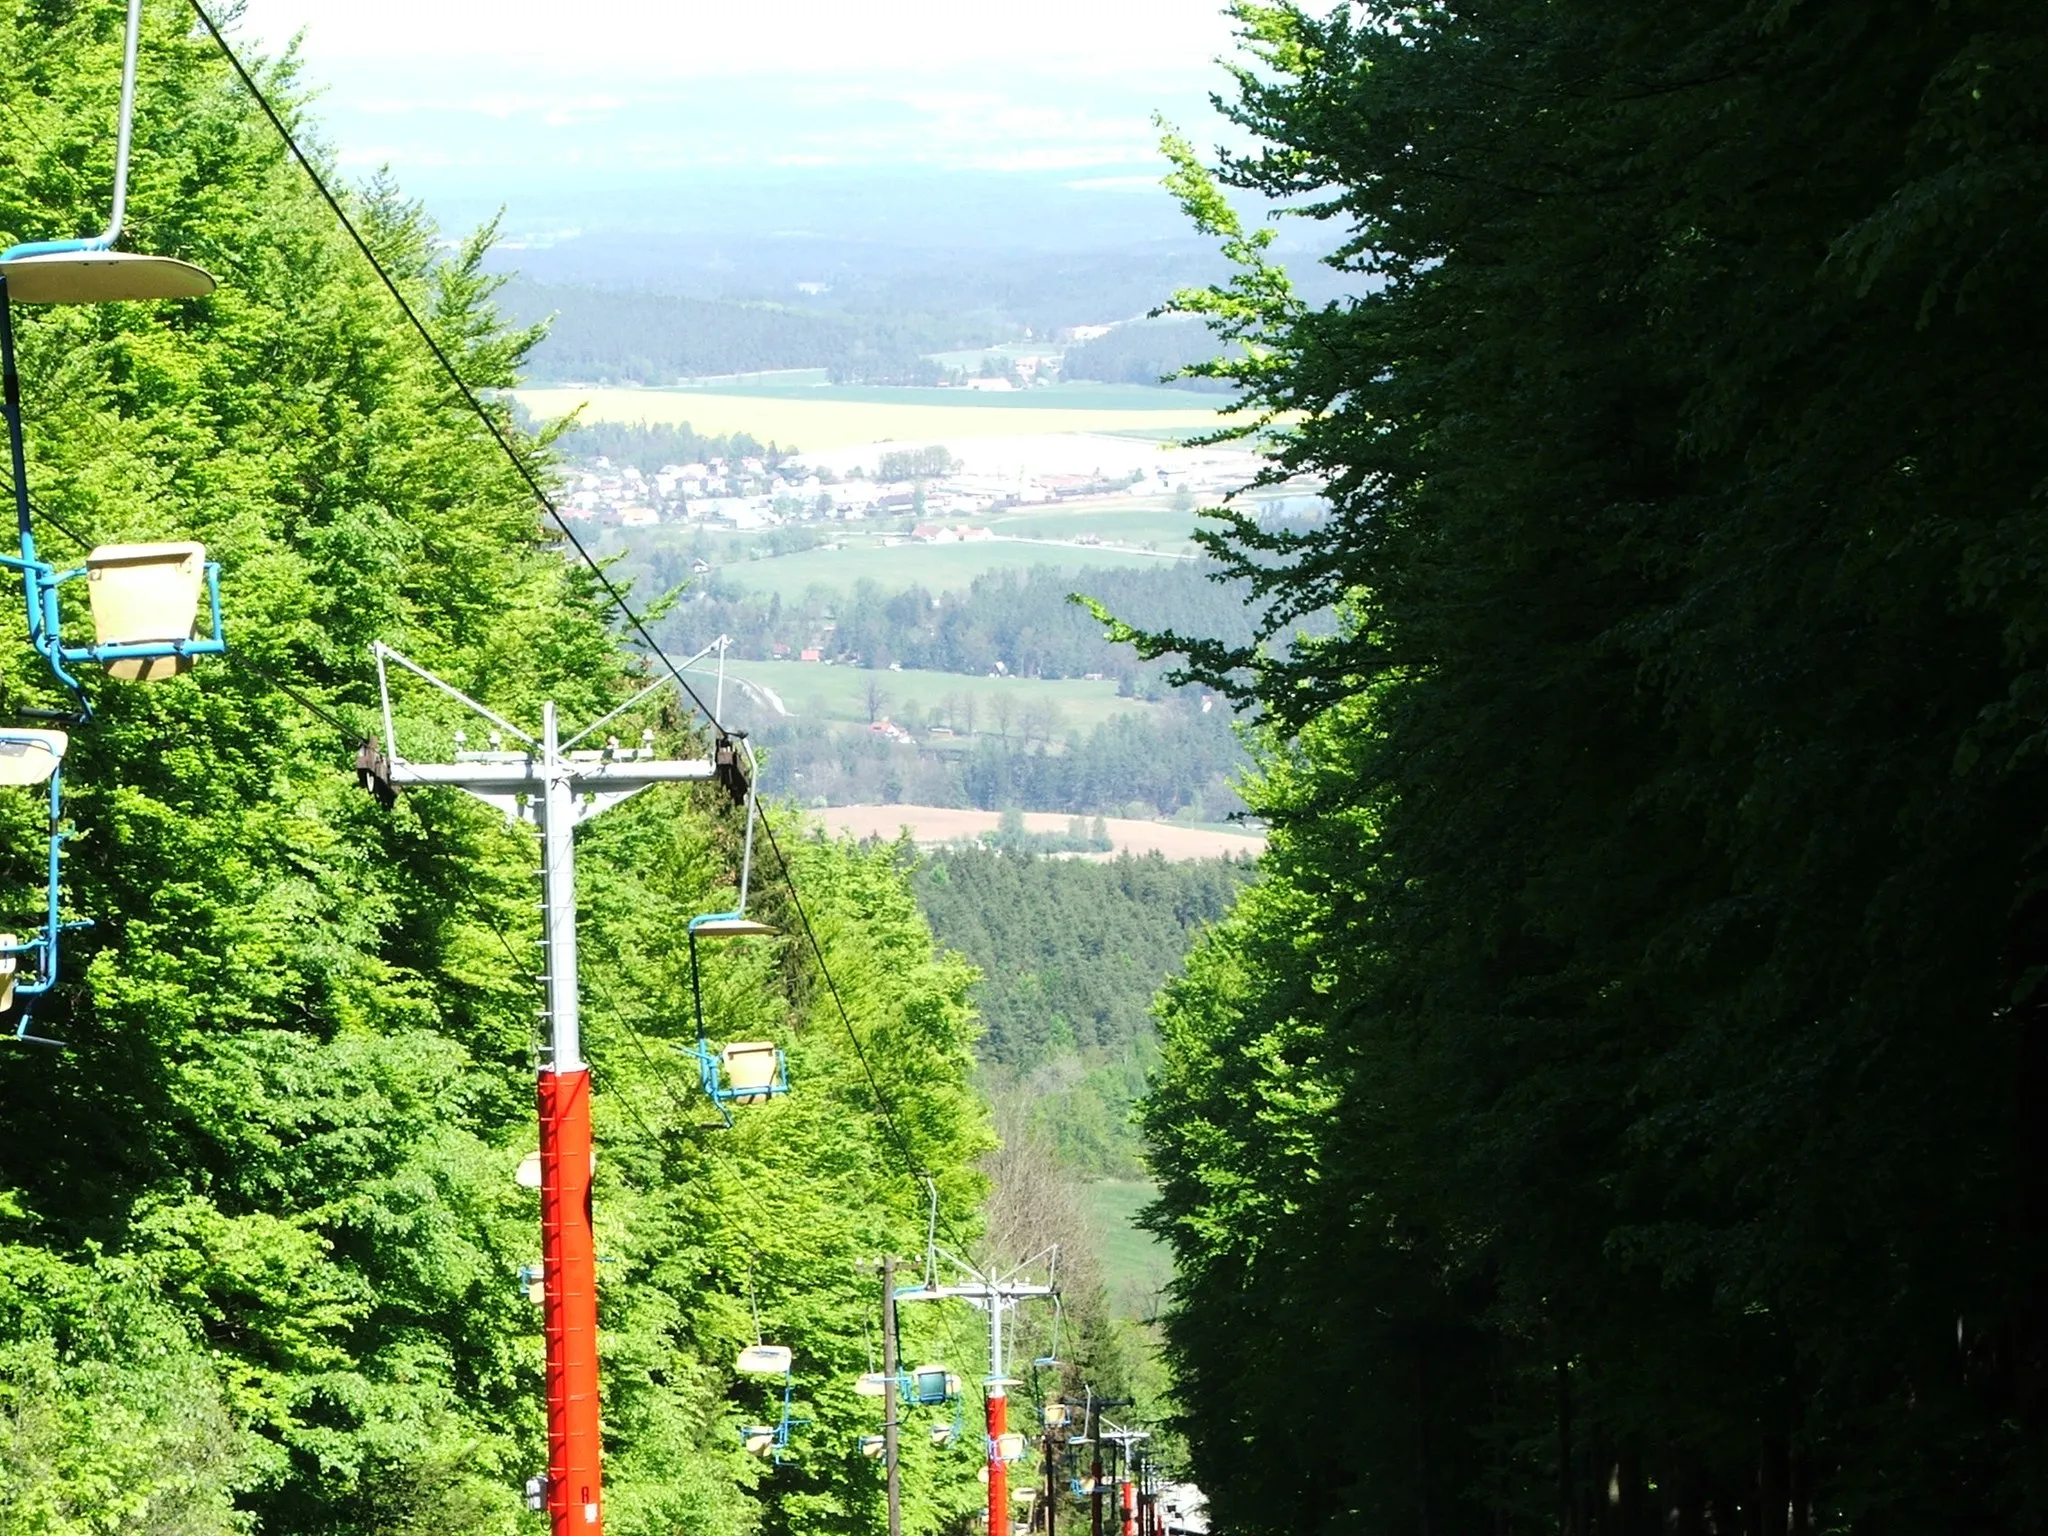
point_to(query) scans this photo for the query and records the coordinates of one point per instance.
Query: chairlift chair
(747, 1072)
(28, 965)
(145, 597)
(1008, 1446)
(929, 1385)
(870, 1446)
(770, 1440)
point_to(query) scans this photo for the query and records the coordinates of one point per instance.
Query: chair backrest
(759, 1439)
(143, 594)
(1010, 1447)
(750, 1070)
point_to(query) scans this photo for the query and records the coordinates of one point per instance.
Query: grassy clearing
(1058, 397)
(1135, 1265)
(814, 691)
(1135, 522)
(818, 419)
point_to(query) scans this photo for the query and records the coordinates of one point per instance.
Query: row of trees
(1145, 352)
(648, 446)
(1158, 764)
(1024, 621)
(649, 338)
(1618, 1107)
(258, 1222)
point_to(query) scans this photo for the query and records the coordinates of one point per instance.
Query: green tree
(258, 1219)
(1613, 1107)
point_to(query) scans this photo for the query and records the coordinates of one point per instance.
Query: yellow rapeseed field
(827, 422)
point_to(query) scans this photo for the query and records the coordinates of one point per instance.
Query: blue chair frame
(710, 1070)
(42, 950)
(41, 581)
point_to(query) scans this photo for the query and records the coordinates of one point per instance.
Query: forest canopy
(1617, 1107)
(258, 1221)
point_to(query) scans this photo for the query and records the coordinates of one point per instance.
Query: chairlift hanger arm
(652, 688)
(383, 653)
(1004, 1292)
(123, 136)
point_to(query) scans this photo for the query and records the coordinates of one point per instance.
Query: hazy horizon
(895, 125)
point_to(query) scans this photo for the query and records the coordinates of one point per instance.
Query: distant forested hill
(649, 338)
(1146, 352)
(1071, 953)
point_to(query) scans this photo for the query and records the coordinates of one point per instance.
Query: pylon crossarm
(531, 774)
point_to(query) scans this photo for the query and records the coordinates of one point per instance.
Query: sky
(535, 104)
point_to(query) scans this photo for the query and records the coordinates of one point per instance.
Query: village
(850, 485)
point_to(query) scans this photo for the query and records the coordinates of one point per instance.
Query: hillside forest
(259, 1226)
(1617, 1107)
(1069, 955)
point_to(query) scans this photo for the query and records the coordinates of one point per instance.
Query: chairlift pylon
(145, 598)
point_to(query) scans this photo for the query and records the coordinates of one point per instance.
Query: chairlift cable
(887, 1111)
(483, 414)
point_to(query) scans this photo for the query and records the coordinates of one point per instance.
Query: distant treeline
(1022, 621)
(1161, 763)
(651, 338)
(1071, 953)
(648, 448)
(1146, 352)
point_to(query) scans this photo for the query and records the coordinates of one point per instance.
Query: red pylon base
(568, 1254)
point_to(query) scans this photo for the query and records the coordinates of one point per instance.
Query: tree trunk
(1567, 1506)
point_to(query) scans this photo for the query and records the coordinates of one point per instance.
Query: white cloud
(681, 39)
(627, 89)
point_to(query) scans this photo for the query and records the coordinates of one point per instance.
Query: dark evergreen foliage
(1617, 1110)
(1071, 953)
